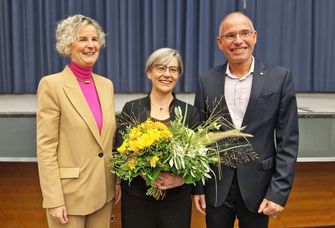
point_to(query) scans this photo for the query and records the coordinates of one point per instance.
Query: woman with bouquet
(164, 67)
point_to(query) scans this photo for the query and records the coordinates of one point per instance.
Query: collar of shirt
(250, 72)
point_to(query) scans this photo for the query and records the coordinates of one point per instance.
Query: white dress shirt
(237, 94)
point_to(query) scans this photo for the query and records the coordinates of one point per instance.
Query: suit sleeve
(117, 179)
(287, 139)
(47, 129)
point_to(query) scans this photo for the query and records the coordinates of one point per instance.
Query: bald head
(237, 39)
(234, 17)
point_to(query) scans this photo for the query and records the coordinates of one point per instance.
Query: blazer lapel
(223, 107)
(257, 86)
(104, 104)
(143, 115)
(78, 100)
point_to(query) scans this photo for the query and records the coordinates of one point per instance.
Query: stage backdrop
(298, 34)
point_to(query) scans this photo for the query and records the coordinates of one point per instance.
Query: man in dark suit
(260, 97)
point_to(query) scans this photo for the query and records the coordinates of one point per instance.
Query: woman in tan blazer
(75, 131)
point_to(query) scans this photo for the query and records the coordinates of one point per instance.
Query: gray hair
(67, 32)
(163, 56)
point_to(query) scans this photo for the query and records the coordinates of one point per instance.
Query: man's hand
(268, 207)
(59, 214)
(200, 203)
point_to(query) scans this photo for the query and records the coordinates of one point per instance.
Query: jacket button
(101, 154)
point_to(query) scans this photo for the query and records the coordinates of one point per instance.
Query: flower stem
(156, 193)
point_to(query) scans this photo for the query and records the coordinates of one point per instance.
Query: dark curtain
(297, 34)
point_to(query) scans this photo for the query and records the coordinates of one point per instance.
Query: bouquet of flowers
(151, 147)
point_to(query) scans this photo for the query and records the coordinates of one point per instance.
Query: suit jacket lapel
(77, 99)
(104, 104)
(257, 86)
(144, 109)
(223, 107)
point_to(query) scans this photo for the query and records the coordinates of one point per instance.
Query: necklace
(155, 105)
(86, 81)
(161, 107)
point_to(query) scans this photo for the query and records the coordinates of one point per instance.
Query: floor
(311, 203)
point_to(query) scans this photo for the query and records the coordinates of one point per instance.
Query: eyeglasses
(173, 70)
(232, 36)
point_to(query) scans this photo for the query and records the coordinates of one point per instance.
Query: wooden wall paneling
(312, 201)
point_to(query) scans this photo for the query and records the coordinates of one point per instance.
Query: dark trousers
(143, 213)
(224, 216)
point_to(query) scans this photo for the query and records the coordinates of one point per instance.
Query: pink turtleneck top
(85, 74)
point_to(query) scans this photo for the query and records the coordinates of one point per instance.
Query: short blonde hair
(67, 32)
(163, 56)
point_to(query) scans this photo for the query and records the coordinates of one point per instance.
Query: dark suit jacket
(271, 117)
(138, 111)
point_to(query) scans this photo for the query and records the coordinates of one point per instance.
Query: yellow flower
(145, 141)
(133, 146)
(153, 161)
(131, 164)
(134, 134)
(154, 134)
(166, 134)
(160, 126)
(123, 147)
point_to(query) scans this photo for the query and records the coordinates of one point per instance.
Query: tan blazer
(72, 155)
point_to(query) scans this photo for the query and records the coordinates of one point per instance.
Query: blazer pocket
(268, 163)
(69, 172)
(268, 97)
